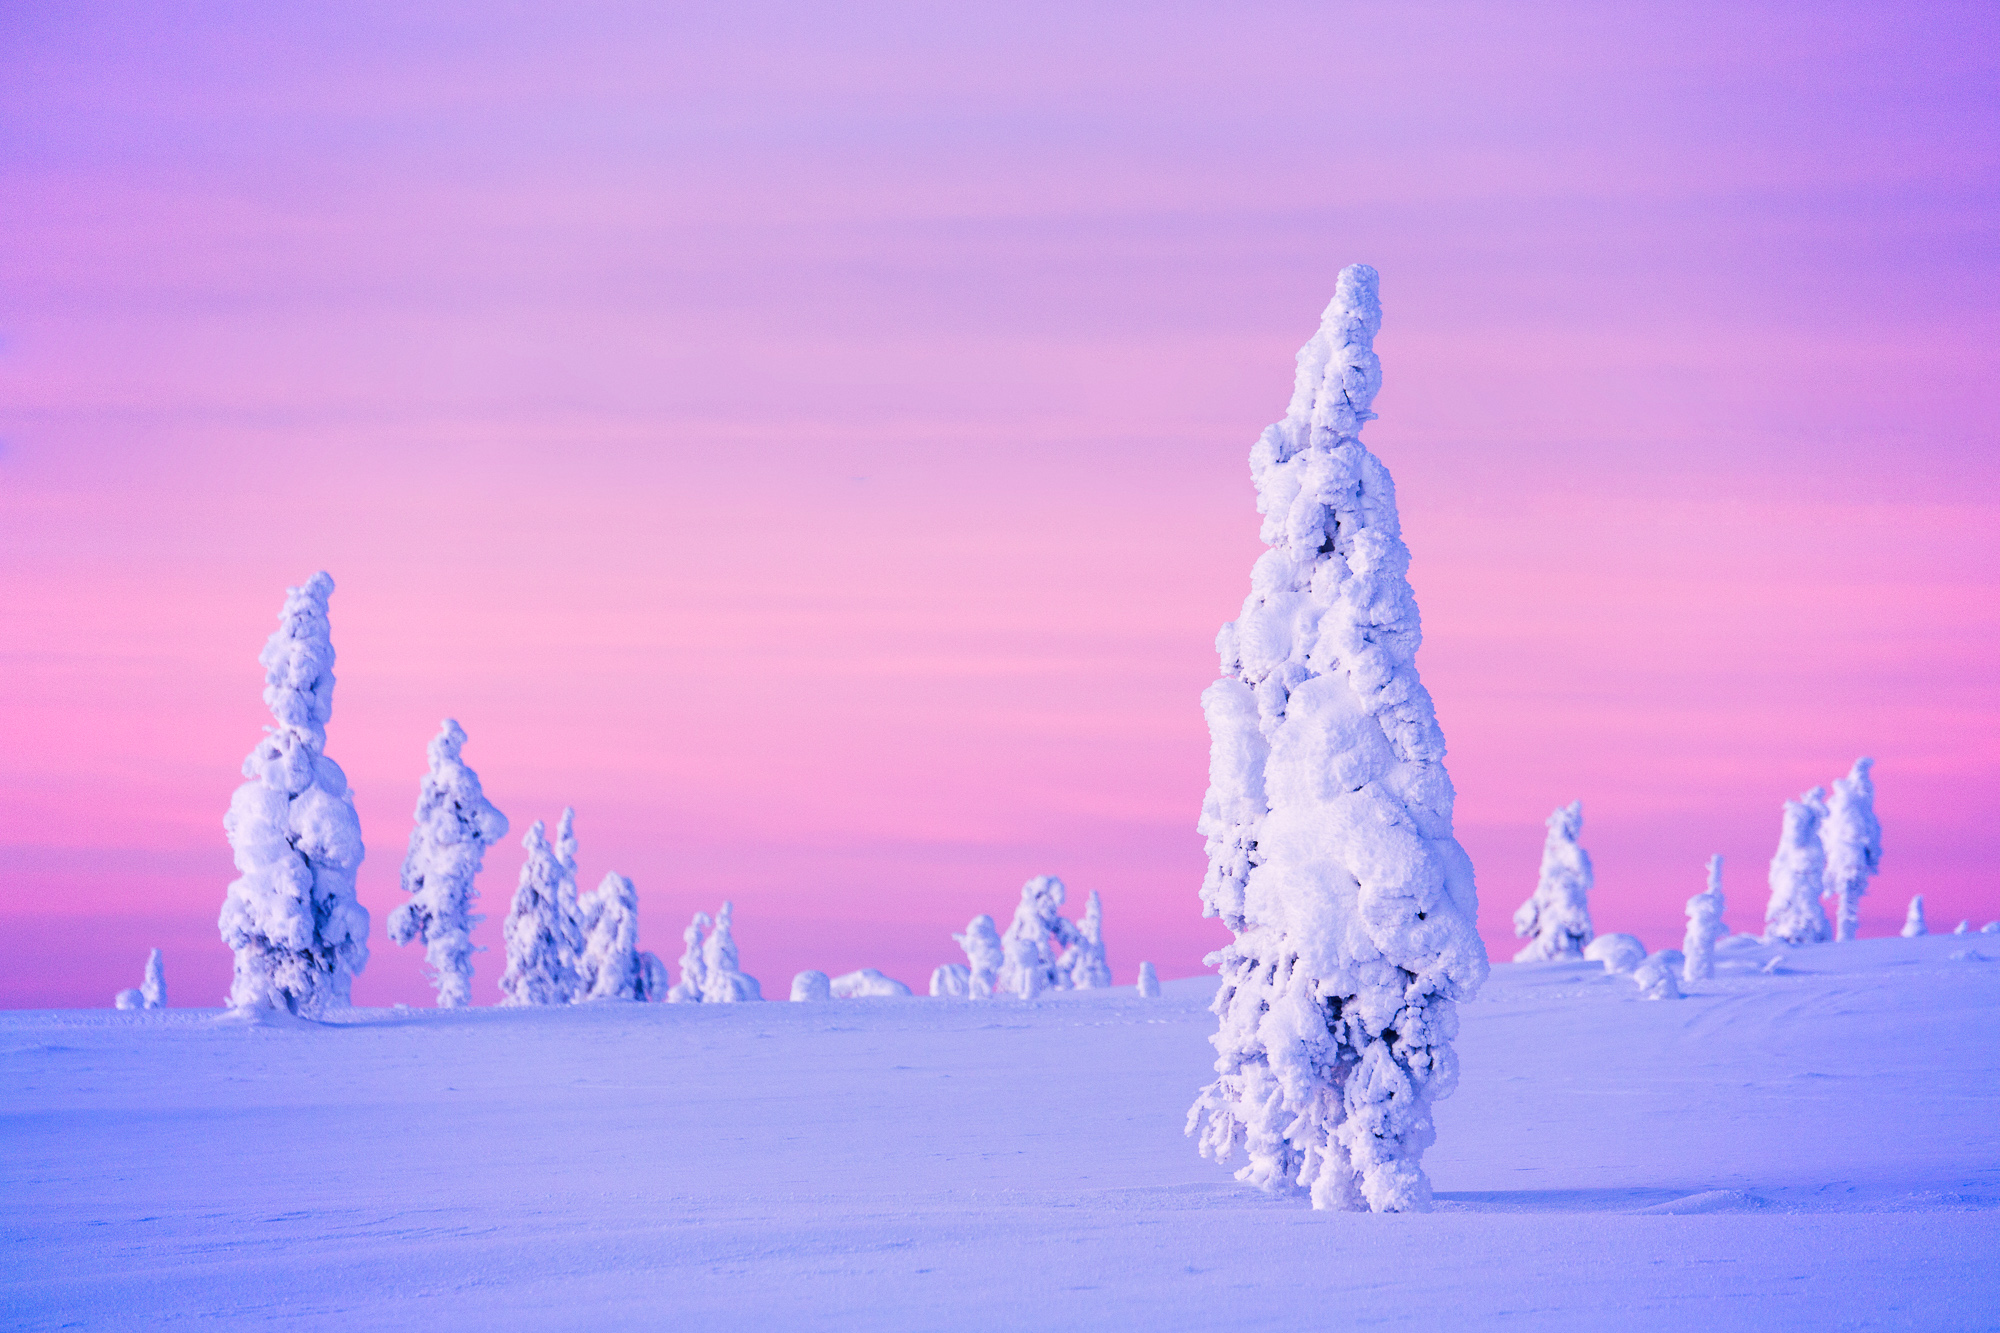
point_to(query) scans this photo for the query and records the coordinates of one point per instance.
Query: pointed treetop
(448, 742)
(1339, 373)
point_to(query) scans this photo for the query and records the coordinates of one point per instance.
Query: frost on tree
(1913, 920)
(1328, 819)
(866, 984)
(299, 934)
(1556, 920)
(1798, 876)
(723, 982)
(455, 826)
(572, 906)
(985, 955)
(1029, 948)
(614, 966)
(153, 990)
(694, 968)
(1852, 838)
(540, 931)
(1705, 928)
(951, 981)
(810, 986)
(1655, 975)
(1083, 966)
(1149, 982)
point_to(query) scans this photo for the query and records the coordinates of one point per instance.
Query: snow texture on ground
(1812, 1146)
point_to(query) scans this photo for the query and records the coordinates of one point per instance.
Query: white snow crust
(1328, 819)
(1798, 875)
(455, 826)
(1852, 838)
(298, 932)
(1556, 918)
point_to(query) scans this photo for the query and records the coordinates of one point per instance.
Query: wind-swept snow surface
(455, 826)
(1556, 919)
(1328, 819)
(299, 934)
(1809, 1150)
(1798, 875)
(1852, 837)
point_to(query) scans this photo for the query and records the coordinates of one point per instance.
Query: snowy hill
(1814, 1147)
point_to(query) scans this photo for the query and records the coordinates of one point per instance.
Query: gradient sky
(810, 440)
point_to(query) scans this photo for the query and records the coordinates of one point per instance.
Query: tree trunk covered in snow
(455, 826)
(1852, 837)
(299, 934)
(1328, 819)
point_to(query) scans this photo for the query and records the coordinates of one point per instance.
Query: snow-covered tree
(866, 984)
(1083, 965)
(1964, 927)
(614, 966)
(1798, 876)
(299, 934)
(985, 955)
(1620, 953)
(1913, 921)
(1852, 839)
(1033, 938)
(951, 981)
(1149, 982)
(1556, 918)
(723, 982)
(1655, 975)
(455, 826)
(541, 933)
(1328, 819)
(811, 985)
(694, 966)
(1705, 928)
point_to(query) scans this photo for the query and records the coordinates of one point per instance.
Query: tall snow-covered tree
(694, 966)
(1913, 920)
(614, 966)
(1328, 819)
(455, 826)
(1149, 982)
(1704, 928)
(1852, 838)
(1798, 875)
(1556, 918)
(541, 933)
(153, 990)
(985, 955)
(299, 934)
(1084, 966)
(1030, 945)
(566, 894)
(723, 981)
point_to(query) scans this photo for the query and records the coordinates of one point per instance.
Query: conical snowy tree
(1328, 819)
(985, 955)
(1704, 913)
(724, 982)
(153, 990)
(615, 967)
(694, 966)
(540, 932)
(572, 905)
(1084, 965)
(1798, 876)
(1913, 920)
(1852, 837)
(299, 934)
(1556, 918)
(1149, 982)
(1033, 938)
(455, 826)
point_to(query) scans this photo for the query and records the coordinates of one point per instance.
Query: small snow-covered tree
(1328, 819)
(1655, 975)
(1083, 966)
(1705, 928)
(1033, 938)
(455, 826)
(724, 982)
(1620, 953)
(985, 956)
(694, 967)
(951, 981)
(1798, 876)
(153, 990)
(1913, 920)
(811, 985)
(541, 934)
(1556, 918)
(1852, 839)
(1149, 982)
(866, 984)
(299, 934)
(615, 967)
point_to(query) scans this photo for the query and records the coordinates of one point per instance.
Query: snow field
(1817, 1146)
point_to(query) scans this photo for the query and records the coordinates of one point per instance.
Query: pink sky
(810, 440)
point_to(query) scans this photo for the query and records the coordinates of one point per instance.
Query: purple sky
(810, 440)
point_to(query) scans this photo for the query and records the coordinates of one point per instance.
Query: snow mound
(1618, 953)
(866, 984)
